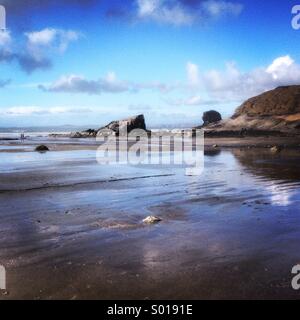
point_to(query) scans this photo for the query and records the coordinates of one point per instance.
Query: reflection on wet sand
(284, 166)
(231, 233)
(280, 171)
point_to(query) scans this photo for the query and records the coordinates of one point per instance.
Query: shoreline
(63, 144)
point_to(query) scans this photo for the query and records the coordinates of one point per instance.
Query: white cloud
(193, 101)
(43, 37)
(182, 12)
(109, 84)
(147, 7)
(50, 38)
(79, 84)
(235, 85)
(38, 49)
(160, 11)
(217, 9)
(5, 38)
(192, 74)
(5, 46)
(279, 66)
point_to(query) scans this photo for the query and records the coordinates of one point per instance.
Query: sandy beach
(73, 229)
(149, 150)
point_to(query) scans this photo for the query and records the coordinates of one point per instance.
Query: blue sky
(89, 62)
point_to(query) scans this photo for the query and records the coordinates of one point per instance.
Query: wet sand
(72, 229)
(65, 144)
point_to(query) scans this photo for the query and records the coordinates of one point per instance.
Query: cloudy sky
(86, 62)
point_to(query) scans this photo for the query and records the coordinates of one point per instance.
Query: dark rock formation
(117, 128)
(90, 132)
(210, 117)
(41, 148)
(120, 127)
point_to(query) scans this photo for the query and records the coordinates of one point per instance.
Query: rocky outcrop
(116, 127)
(126, 125)
(90, 133)
(279, 102)
(271, 113)
(210, 117)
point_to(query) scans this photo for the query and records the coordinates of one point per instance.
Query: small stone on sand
(275, 149)
(151, 220)
(4, 292)
(42, 148)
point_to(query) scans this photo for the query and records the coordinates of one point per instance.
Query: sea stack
(119, 127)
(210, 117)
(116, 128)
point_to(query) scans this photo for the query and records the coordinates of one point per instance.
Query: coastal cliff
(273, 112)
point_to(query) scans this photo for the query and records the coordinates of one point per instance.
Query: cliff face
(277, 102)
(277, 111)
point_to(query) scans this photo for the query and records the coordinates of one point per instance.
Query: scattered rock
(41, 148)
(152, 220)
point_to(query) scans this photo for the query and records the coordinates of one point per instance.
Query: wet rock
(152, 220)
(41, 148)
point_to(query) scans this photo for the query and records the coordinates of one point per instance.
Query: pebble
(152, 220)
